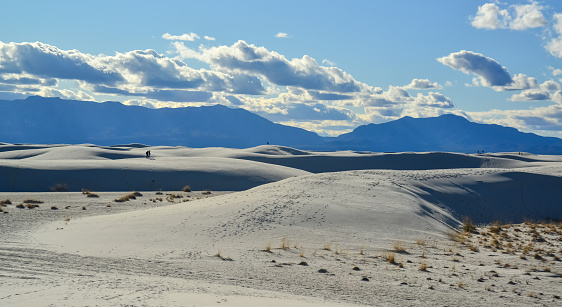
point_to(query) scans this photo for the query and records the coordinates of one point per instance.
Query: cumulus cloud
(184, 37)
(490, 72)
(528, 16)
(531, 95)
(65, 94)
(282, 35)
(555, 45)
(422, 84)
(525, 16)
(435, 100)
(246, 58)
(489, 16)
(209, 38)
(46, 61)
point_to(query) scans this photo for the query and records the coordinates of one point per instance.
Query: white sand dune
(298, 206)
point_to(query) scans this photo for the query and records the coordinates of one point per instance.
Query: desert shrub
(206, 192)
(59, 187)
(423, 267)
(32, 201)
(31, 206)
(5, 202)
(186, 188)
(89, 194)
(20, 206)
(54, 208)
(467, 225)
(132, 195)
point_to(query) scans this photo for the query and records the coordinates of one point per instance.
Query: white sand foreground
(303, 235)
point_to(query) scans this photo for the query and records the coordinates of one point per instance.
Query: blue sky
(326, 66)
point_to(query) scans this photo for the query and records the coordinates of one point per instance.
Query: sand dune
(292, 207)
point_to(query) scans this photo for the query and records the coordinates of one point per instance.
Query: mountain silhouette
(447, 132)
(54, 121)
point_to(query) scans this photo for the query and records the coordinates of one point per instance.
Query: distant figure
(479, 152)
(147, 154)
(267, 143)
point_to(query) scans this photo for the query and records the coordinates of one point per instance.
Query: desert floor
(277, 226)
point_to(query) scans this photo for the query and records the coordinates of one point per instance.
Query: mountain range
(53, 120)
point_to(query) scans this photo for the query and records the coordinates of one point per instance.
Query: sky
(325, 66)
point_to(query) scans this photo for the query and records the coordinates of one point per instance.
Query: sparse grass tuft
(206, 192)
(423, 266)
(399, 247)
(284, 244)
(390, 257)
(268, 247)
(186, 188)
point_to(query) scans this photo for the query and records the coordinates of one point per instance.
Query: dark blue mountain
(53, 120)
(444, 133)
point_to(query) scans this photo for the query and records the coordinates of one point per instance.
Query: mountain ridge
(53, 120)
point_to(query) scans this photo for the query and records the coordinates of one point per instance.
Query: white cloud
(65, 94)
(528, 16)
(531, 95)
(520, 82)
(184, 37)
(490, 72)
(328, 62)
(45, 61)
(246, 58)
(209, 38)
(422, 84)
(489, 16)
(550, 85)
(282, 35)
(555, 45)
(525, 16)
(435, 100)
(557, 72)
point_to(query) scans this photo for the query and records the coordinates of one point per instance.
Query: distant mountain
(53, 120)
(444, 133)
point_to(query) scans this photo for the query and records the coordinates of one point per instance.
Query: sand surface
(277, 226)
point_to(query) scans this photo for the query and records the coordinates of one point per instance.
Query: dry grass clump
(31, 206)
(423, 266)
(59, 187)
(399, 247)
(132, 195)
(284, 244)
(206, 192)
(173, 196)
(88, 193)
(467, 225)
(186, 188)
(5, 202)
(390, 257)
